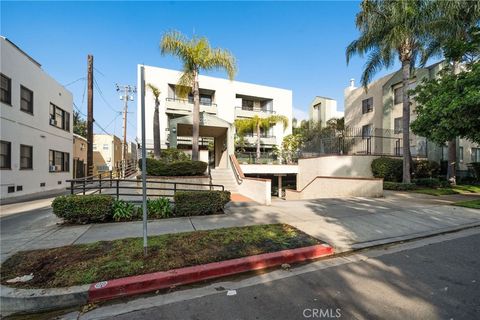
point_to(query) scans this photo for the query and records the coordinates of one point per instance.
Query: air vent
(19, 188)
(59, 182)
(42, 184)
(11, 189)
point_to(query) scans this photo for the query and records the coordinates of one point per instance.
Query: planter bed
(107, 260)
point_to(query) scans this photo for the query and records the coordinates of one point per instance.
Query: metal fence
(359, 141)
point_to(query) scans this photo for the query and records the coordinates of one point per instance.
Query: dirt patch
(106, 260)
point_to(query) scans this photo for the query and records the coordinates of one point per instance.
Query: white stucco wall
(333, 166)
(258, 190)
(18, 127)
(224, 98)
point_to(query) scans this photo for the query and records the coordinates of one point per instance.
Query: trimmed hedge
(398, 186)
(194, 203)
(476, 169)
(425, 169)
(179, 168)
(83, 208)
(390, 169)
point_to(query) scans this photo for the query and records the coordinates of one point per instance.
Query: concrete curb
(16, 301)
(107, 290)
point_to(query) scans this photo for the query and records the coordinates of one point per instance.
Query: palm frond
(154, 89)
(185, 84)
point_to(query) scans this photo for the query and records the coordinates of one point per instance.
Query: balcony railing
(255, 109)
(190, 101)
(262, 135)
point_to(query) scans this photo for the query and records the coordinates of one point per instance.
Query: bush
(83, 209)
(179, 168)
(173, 155)
(398, 186)
(476, 169)
(159, 208)
(123, 210)
(427, 182)
(194, 203)
(389, 169)
(425, 169)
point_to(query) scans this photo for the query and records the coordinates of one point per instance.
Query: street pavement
(435, 278)
(344, 223)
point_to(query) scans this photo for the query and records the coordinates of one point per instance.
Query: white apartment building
(36, 126)
(221, 101)
(377, 114)
(323, 109)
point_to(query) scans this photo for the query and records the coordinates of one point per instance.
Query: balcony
(185, 106)
(264, 139)
(248, 112)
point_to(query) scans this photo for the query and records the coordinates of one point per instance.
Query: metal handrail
(211, 104)
(256, 109)
(237, 170)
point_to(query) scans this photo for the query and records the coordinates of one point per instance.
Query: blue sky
(294, 45)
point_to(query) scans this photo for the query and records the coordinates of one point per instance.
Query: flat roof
(21, 51)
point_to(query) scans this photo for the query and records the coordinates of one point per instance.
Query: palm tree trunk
(156, 131)
(196, 118)
(406, 122)
(258, 143)
(452, 145)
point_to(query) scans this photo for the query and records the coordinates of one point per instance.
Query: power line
(70, 83)
(94, 121)
(101, 96)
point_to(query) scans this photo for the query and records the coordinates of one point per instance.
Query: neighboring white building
(36, 126)
(222, 98)
(323, 109)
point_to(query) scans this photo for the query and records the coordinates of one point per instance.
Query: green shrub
(427, 182)
(389, 169)
(123, 210)
(398, 186)
(83, 208)
(476, 169)
(173, 155)
(194, 203)
(179, 168)
(425, 169)
(159, 208)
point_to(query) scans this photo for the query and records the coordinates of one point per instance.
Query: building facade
(219, 98)
(107, 152)
(323, 109)
(36, 120)
(79, 156)
(377, 114)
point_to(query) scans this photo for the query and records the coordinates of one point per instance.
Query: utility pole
(90, 116)
(127, 95)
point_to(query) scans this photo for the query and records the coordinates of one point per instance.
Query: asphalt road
(437, 281)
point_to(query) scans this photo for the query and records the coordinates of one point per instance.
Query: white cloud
(300, 114)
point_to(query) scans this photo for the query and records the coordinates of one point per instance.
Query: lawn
(474, 204)
(452, 190)
(106, 260)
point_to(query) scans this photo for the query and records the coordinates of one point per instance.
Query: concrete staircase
(225, 177)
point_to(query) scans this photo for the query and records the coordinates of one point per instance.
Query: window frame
(9, 91)
(9, 155)
(30, 167)
(460, 153)
(65, 117)
(398, 130)
(65, 160)
(367, 105)
(29, 111)
(475, 157)
(395, 95)
(365, 136)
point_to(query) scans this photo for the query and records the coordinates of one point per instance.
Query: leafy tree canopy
(79, 124)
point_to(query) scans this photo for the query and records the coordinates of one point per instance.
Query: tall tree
(256, 124)
(156, 121)
(451, 37)
(390, 29)
(79, 124)
(196, 54)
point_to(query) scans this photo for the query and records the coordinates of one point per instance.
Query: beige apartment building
(107, 152)
(323, 109)
(79, 156)
(376, 114)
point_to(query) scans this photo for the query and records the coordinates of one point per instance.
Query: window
(5, 155)
(460, 154)
(398, 125)
(94, 147)
(105, 147)
(205, 99)
(366, 131)
(59, 161)
(444, 153)
(247, 104)
(367, 105)
(475, 154)
(26, 157)
(26, 100)
(59, 118)
(6, 89)
(398, 95)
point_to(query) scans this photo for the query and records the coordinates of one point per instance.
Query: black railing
(190, 101)
(256, 109)
(120, 187)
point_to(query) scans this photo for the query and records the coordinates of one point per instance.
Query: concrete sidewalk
(343, 223)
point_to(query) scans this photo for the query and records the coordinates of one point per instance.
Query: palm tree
(390, 29)
(256, 124)
(450, 32)
(195, 54)
(156, 121)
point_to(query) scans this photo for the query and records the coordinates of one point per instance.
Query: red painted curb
(122, 287)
